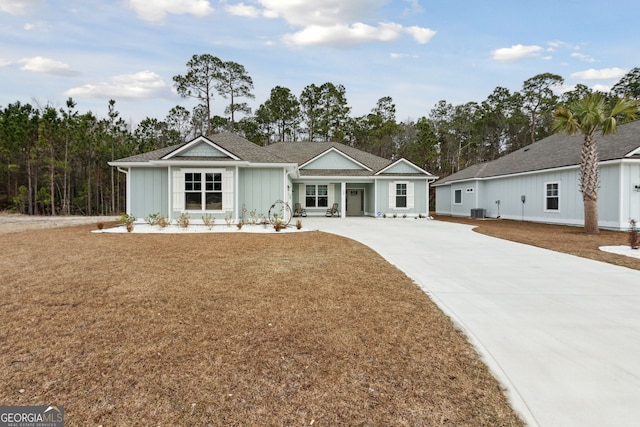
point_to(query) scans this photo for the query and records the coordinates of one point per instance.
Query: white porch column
(343, 200)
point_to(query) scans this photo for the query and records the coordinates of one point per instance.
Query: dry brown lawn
(230, 330)
(571, 240)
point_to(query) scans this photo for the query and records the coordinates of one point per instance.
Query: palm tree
(588, 116)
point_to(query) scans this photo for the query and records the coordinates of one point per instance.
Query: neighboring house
(540, 182)
(224, 174)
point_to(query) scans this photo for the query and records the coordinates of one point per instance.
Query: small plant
(384, 215)
(162, 221)
(183, 220)
(100, 225)
(239, 225)
(299, 224)
(227, 219)
(420, 216)
(128, 221)
(404, 215)
(152, 219)
(634, 241)
(395, 215)
(208, 220)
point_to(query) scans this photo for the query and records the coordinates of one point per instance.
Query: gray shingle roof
(302, 152)
(555, 151)
(238, 146)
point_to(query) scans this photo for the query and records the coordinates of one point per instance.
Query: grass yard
(230, 330)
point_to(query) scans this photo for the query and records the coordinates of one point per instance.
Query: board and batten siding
(259, 188)
(630, 193)
(333, 160)
(417, 200)
(149, 191)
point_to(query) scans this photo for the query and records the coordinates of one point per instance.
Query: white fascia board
(198, 163)
(403, 160)
(366, 178)
(130, 164)
(324, 153)
(196, 141)
(633, 152)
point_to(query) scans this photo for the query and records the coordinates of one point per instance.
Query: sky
(417, 52)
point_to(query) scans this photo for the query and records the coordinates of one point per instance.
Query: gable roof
(304, 152)
(235, 146)
(230, 147)
(555, 151)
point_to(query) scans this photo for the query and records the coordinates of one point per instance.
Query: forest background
(55, 161)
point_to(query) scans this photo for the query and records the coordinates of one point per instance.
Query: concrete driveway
(562, 333)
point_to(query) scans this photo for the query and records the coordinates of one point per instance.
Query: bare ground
(230, 329)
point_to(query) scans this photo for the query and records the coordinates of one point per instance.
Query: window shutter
(410, 195)
(331, 194)
(227, 191)
(392, 195)
(178, 191)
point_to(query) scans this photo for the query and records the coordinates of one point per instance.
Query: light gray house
(224, 174)
(540, 182)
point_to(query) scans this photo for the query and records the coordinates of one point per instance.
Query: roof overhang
(196, 141)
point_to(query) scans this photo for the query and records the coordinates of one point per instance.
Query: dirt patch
(14, 223)
(230, 329)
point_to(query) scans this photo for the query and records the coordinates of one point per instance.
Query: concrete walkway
(562, 333)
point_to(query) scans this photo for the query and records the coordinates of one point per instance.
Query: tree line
(54, 160)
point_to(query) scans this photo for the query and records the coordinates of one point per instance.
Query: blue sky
(416, 51)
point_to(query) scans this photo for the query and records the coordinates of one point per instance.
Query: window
(317, 196)
(401, 195)
(552, 196)
(457, 197)
(203, 197)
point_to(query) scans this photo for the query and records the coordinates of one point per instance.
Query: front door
(355, 202)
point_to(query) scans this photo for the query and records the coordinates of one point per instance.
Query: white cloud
(142, 85)
(602, 74)
(242, 9)
(420, 34)
(156, 10)
(4, 62)
(322, 12)
(515, 53)
(344, 35)
(18, 7)
(42, 65)
(395, 55)
(583, 57)
(601, 88)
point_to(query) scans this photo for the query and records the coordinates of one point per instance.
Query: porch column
(343, 200)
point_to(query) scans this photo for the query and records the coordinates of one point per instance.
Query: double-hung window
(401, 195)
(552, 196)
(203, 190)
(317, 196)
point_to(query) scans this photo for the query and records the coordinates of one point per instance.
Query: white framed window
(401, 195)
(316, 196)
(457, 197)
(552, 196)
(202, 190)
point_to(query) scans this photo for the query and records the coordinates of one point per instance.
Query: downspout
(170, 190)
